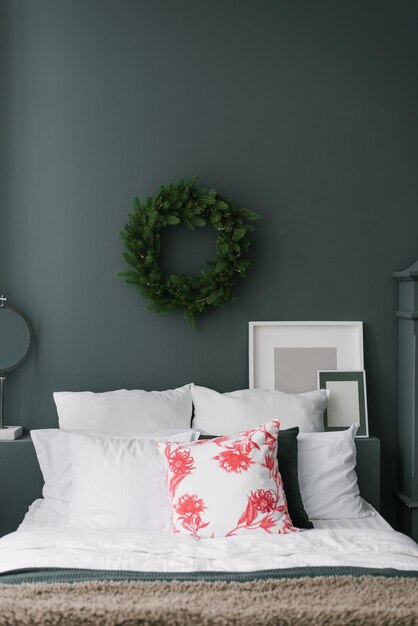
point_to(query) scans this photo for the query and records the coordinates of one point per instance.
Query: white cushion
(54, 456)
(124, 410)
(227, 486)
(118, 483)
(228, 413)
(327, 476)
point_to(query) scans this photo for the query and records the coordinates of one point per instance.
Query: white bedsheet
(56, 514)
(45, 540)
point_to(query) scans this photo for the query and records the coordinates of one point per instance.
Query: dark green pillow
(287, 453)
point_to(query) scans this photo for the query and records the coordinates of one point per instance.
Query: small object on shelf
(9, 433)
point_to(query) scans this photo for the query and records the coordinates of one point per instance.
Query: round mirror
(15, 337)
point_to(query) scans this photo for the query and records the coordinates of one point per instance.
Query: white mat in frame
(288, 355)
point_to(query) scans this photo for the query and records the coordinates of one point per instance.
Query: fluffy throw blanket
(324, 600)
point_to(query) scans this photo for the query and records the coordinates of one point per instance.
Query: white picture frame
(297, 350)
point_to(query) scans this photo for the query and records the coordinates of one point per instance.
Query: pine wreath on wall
(193, 206)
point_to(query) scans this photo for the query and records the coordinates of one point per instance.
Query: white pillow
(228, 413)
(52, 448)
(124, 410)
(227, 486)
(118, 483)
(327, 476)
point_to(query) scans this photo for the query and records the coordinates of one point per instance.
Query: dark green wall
(303, 111)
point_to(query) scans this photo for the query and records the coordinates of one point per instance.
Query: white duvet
(44, 540)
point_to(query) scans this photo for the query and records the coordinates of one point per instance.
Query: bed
(173, 572)
(341, 572)
(351, 569)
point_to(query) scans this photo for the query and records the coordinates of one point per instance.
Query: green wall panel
(303, 111)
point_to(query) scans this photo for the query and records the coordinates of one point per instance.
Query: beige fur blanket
(330, 601)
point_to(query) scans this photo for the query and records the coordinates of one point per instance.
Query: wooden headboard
(407, 315)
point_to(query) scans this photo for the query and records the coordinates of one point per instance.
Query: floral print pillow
(227, 486)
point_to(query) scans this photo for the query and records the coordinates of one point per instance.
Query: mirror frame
(31, 335)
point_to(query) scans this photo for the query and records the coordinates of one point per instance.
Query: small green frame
(348, 402)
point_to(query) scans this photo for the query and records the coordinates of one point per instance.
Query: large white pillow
(327, 475)
(124, 410)
(118, 483)
(228, 413)
(52, 448)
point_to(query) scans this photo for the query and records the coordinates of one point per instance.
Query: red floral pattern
(189, 508)
(234, 461)
(180, 461)
(189, 505)
(237, 455)
(197, 506)
(264, 501)
(269, 462)
(180, 464)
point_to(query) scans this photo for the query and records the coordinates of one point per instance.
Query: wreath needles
(194, 207)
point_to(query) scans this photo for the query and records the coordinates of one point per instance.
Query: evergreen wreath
(184, 202)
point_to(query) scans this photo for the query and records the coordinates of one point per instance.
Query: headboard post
(407, 315)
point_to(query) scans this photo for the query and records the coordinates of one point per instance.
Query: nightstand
(20, 481)
(368, 469)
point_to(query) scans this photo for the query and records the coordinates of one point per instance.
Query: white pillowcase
(228, 413)
(52, 448)
(327, 476)
(227, 486)
(124, 410)
(118, 483)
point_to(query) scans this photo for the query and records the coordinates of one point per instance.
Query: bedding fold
(130, 550)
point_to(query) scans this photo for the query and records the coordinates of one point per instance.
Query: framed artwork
(347, 403)
(288, 355)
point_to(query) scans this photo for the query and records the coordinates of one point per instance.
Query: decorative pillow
(327, 476)
(52, 448)
(287, 452)
(232, 412)
(124, 410)
(228, 485)
(118, 483)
